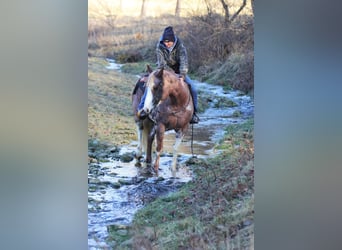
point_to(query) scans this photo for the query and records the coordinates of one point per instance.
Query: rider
(172, 55)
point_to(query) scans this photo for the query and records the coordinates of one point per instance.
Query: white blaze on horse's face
(149, 96)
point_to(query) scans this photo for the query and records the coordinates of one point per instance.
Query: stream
(117, 189)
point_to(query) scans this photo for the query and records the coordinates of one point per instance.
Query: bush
(236, 73)
(243, 77)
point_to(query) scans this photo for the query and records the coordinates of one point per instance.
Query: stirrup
(194, 119)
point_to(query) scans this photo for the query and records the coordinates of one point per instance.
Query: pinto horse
(169, 105)
(143, 127)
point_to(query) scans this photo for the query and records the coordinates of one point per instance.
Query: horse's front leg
(160, 138)
(149, 145)
(179, 137)
(139, 131)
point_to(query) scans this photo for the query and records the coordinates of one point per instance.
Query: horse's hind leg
(179, 137)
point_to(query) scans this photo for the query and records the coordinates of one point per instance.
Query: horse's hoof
(145, 172)
(138, 157)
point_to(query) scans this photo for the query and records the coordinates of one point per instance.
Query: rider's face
(168, 43)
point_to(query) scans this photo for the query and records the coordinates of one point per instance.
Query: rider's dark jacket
(176, 58)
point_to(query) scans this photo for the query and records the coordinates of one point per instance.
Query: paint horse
(169, 105)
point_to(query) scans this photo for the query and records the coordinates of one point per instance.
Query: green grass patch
(223, 102)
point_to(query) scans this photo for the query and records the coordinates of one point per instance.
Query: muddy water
(118, 189)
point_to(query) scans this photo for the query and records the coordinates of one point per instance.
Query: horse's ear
(148, 69)
(159, 74)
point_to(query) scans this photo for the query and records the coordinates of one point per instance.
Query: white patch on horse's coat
(148, 101)
(139, 153)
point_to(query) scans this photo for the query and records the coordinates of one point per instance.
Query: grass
(237, 72)
(110, 118)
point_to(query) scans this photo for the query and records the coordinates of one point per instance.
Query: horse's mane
(139, 85)
(150, 82)
(158, 72)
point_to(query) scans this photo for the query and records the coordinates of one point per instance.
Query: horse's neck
(180, 94)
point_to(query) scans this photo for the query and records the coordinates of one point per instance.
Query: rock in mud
(126, 181)
(127, 157)
(114, 149)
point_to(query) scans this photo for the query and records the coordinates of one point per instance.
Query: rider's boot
(194, 119)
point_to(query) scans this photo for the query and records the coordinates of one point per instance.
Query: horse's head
(161, 84)
(154, 90)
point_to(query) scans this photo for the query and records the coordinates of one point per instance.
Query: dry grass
(130, 35)
(237, 71)
(110, 118)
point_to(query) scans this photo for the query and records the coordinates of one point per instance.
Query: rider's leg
(142, 101)
(141, 113)
(193, 90)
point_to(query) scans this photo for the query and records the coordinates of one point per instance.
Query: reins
(192, 139)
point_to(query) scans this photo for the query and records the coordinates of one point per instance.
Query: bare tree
(243, 5)
(209, 7)
(226, 10)
(252, 4)
(178, 8)
(143, 8)
(225, 6)
(107, 11)
(120, 6)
